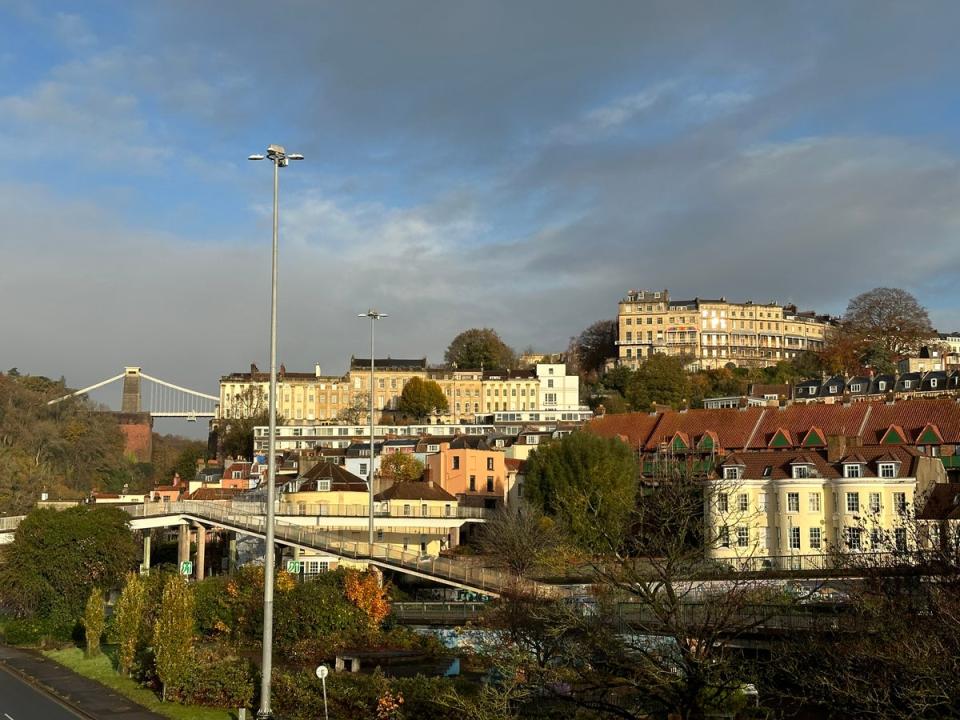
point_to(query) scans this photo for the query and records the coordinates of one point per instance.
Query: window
(424, 512)
(815, 538)
(888, 470)
(722, 502)
(801, 471)
(490, 463)
(900, 539)
(407, 510)
(813, 502)
(882, 385)
(856, 387)
(743, 502)
(363, 468)
(793, 502)
(456, 462)
(794, 538)
(874, 502)
(906, 384)
(762, 502)
(743, 536)
(489, 483)
(731, 473)
(473, 482)
(900, 502)
(854, 541)
(851, 471)
(724, 536)
(323, 485)
(447, 510)
(875, 538)
(933, 382)
(550, 383)
(853, 502)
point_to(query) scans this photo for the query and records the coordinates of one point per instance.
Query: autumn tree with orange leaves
(365, 592)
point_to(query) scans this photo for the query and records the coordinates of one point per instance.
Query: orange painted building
(472, 471)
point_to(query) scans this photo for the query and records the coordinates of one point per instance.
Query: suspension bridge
(144, 393)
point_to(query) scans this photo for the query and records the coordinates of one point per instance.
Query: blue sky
(501, 164)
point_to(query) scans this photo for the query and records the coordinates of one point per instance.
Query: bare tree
(890, 319)
(522, 541)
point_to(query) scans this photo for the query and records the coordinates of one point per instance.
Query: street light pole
(279, 157)
(374, 316)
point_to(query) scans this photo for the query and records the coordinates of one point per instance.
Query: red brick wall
(137, 431)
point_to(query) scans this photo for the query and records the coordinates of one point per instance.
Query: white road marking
(7, 716)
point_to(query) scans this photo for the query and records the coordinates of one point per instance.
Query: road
(21, 701)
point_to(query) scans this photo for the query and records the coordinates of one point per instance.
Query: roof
(214, 493)
(341, 480)
(391, 363)
(913, 416)
(633, 428)
(415, 491)
(732, 426)
(776, 464)
(514, 464)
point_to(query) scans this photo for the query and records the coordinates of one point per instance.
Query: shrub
(173, 634)
(216, 680)
(128, 621)
(93, 622)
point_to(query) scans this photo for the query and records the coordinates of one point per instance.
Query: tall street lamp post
(374, 316)
(280, 158)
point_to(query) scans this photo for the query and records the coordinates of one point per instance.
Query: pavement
(33, 686)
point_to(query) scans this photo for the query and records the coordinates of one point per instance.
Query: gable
(930, 436)
(781, 439)
(813, 438)
(893, 436)
(679, 443)
(707, 442)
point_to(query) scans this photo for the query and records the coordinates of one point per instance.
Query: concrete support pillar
(198, 566)
(146, 552)
(232, 553)
(296, 553)
(454, 537)
(183, 543)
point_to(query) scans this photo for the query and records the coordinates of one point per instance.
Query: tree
(93, 621)
(173, 634)
(93, 547)
(421, 398)
(480, 347)
(128, 621)
(359, 407)
(661, 379)
(586, 483)
(890, 319)
(401, 467)
(366, 593)
(521, 541)
(595, 345)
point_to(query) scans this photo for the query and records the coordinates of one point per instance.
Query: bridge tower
(131, 390)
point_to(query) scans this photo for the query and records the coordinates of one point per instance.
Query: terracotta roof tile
(913, 416)
(632, 428)
(415, 491)
(798, 419)
(733, 427)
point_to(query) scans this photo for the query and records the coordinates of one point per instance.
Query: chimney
(316, 369)
(836, 447)
(254, 369)
(429, 483)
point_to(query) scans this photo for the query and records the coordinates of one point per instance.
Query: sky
(514, 165)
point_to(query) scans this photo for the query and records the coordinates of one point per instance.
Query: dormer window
(906, 384)
(801, 471)
(856, 387)
(833, 389)
(852, 470)
(732, 473)
(933, 382)
(882, 385)
(323, 485)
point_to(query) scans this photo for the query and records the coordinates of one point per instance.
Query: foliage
(595, 345)
(401, 467)
(68, 448)
(366, 593)
(359, 407)
(422, 397)
(128, 621)
(480, 347)
(94, 621)
(249, 409)
(216, 679)
(57, 557)
(173, 634)
(588, 484)
(660, 380)
(522, 540)
(889, 319)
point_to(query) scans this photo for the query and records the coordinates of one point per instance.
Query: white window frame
(853, 502)
(794, 538)
(813, 502)
(888, 470)
(816, 538)
(875, 502)
(723, 503)
(852, 470)
(731, 473)
(793, 502)
(323, 485)
(743, 536)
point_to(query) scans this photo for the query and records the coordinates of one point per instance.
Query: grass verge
(100, 668)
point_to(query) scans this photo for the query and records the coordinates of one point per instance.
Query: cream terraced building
(713, 333)
(316, 398)
(792, 506)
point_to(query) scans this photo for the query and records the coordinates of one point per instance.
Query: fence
(10, 523)
(411, 509)
(487, 580)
